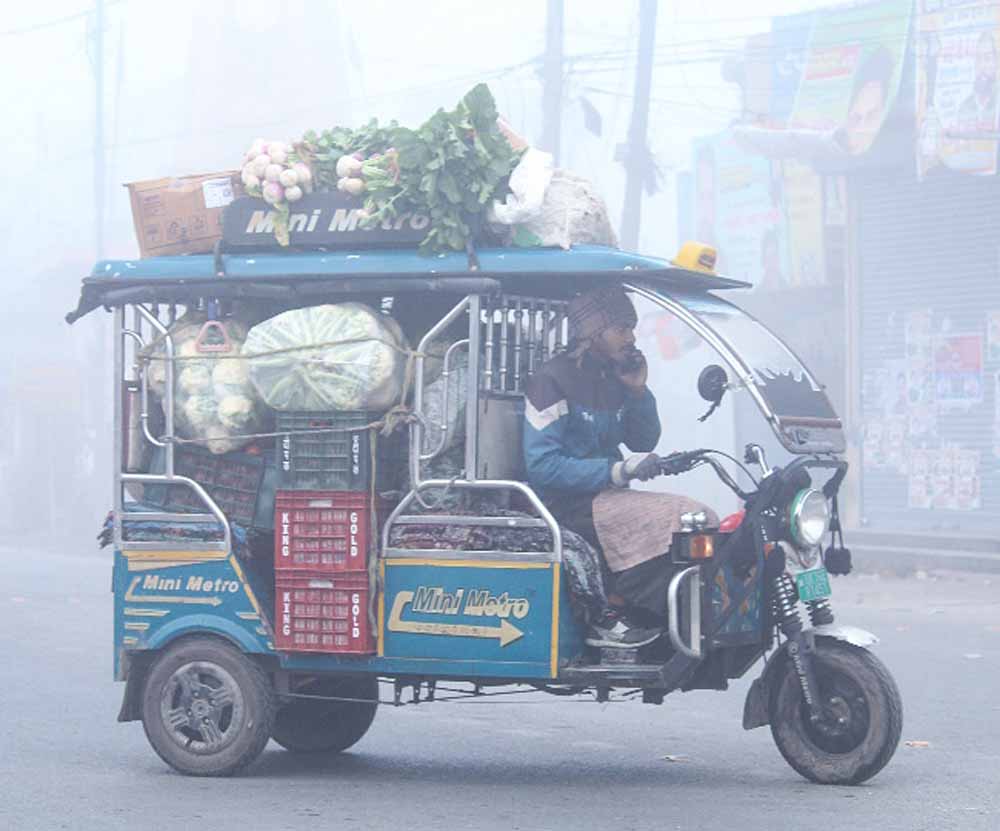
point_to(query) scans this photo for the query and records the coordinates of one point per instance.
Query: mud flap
(755, 708)
(132, 699)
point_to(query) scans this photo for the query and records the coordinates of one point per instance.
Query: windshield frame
(799, 433)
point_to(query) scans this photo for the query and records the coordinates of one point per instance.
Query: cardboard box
(182, 214)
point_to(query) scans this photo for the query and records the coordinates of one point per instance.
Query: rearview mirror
(712, 386)
(712, 383)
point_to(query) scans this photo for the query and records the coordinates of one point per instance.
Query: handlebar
(681, 462)
(684, 461)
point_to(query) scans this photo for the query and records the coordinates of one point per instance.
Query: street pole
(552, 84)
(99, 174)
(638, 165)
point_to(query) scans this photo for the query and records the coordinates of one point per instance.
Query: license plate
(813, 584)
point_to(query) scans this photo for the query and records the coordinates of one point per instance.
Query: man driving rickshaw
(581, 406)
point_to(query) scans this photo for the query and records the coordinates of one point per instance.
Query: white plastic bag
(528, 183)
(213, 396)
(572, 213)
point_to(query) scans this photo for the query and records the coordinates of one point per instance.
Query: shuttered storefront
(928, 261)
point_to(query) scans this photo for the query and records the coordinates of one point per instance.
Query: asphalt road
(539, 763)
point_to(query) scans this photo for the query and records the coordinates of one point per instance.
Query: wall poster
(957, 72)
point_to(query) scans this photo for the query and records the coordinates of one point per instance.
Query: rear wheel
(862, 716)
(207, 708)
(315, 725)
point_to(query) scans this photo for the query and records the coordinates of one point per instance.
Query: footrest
(613, 656)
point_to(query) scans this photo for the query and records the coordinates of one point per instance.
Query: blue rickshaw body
(474, 618)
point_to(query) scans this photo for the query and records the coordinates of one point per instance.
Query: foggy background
(186, 88)
(97, 94)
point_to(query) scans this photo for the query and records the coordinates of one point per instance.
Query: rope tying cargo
(395, 417)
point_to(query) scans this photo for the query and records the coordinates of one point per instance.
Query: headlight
(809, 518)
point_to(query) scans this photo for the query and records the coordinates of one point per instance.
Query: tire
(309, 725)
(207, 708)
(854, 687)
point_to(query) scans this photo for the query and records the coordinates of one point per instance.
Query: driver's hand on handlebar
(641, 466)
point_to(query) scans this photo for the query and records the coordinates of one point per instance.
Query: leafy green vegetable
(450, 168)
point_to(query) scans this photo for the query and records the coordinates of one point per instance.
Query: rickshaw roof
(538, 271)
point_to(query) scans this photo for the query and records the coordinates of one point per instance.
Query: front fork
(800, 645)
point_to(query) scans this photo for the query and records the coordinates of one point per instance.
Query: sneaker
(614, 632)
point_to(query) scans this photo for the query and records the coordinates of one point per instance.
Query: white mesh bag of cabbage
(214, 402)
(342, 356)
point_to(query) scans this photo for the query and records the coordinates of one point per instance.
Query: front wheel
(207, 708)
(320, 725)
(862, 716)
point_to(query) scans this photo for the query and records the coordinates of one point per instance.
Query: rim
(202, 708)
(846, 714)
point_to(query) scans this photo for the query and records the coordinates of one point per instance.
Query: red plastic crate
(321, 531)
(323, 613)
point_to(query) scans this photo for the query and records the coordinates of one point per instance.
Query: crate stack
(323, 532)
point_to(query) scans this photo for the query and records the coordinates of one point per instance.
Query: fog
(185, 88)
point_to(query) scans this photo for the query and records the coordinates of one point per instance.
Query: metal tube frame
(417, 426)
(168, 477)
(553, 556)
(445, 374)
(691, 648)
(473, 303)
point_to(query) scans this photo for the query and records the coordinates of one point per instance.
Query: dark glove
(641, 466)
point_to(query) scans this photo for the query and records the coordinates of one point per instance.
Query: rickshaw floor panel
(666, 676)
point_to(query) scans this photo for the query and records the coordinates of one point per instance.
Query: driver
(581, 406)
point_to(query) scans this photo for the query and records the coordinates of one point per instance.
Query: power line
(59, 21)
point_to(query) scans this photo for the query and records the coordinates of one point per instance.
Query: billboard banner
(957, 73)
(852, 72)
(738, 209)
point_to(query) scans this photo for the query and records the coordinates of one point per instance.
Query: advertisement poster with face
(958, 371)
(738, 209)
(957, 71)
(852, 73)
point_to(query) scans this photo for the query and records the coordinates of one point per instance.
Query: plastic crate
(233, 480)
(340, 460)
(323, 613)
(321, 531)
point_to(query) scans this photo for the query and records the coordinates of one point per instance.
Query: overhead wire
(59, 21)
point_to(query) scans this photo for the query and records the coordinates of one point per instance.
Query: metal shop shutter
(935, 246)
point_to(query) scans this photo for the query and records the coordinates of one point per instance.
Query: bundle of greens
(449, 169)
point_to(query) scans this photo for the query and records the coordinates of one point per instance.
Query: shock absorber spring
(786, 613)
(820, 613)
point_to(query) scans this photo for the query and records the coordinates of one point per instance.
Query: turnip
(303, 171)
(250, 180)
(277, 152)
(293, 194)
(258, 147)
(348, 166)
(260, 165)
(272, 172)
(289, 178)
(355, 187)
(273, 193)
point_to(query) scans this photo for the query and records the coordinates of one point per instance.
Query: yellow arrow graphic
(166, 598)
(506, 633)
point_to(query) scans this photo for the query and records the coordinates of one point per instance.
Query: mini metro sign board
(490, 617)
(329, 218)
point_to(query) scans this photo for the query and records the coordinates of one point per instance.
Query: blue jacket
(576, 416)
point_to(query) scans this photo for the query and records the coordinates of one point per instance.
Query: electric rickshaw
(201, 632)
